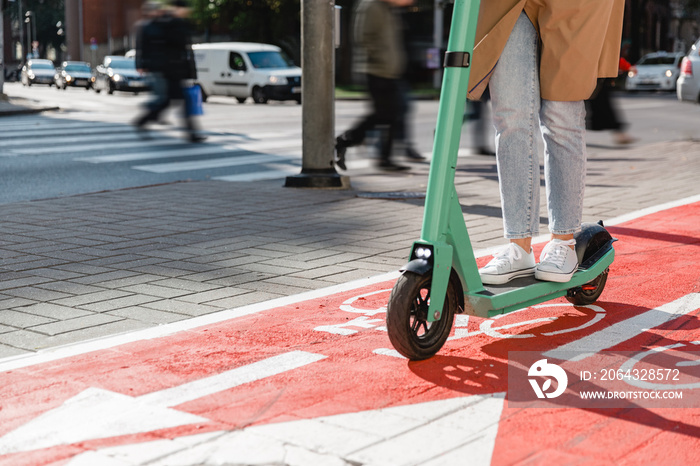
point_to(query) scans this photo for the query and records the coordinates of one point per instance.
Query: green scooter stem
(441, 196)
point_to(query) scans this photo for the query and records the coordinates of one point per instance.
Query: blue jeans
(518, 113)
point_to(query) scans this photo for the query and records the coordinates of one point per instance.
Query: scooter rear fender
(592, 242)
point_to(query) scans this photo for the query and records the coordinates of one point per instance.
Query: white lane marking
(212, 163)
(232, 378)
(228, 149)
(652, 210)
(97, 413)
(466, 427)
(161, 154)
(622, 331)
(125, 143)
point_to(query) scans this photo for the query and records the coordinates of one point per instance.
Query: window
(235, 62)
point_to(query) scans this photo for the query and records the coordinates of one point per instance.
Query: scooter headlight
(423, 252)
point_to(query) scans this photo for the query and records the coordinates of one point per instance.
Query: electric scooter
(441, 277)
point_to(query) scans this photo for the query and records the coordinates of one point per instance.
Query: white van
(246, 69)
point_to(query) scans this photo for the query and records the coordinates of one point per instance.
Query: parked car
(688, 86)
(117, 73)
(74, 74)
(246, 69)
(38, 71)
(656, 71)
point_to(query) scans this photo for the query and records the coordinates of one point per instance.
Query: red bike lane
(331, 356)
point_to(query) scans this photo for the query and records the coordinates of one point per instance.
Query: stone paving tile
(54, 274)
(145, 314)
(91, 298)
(11, 303)
(80, 323)
(21, 283)
(22, 319)
(54, 311)
(70, 287)
(271, 269)
(9, 351)
(299, 282)
(185, 285)
(112, 304)
(36, 294)
(212, 296)
(321, 272)
(252, 297)
(158, 291)
(132, 277)
(101, 278)
(34, 341)
(181, 307)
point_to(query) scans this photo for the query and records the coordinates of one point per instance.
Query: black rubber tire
(588, 293)
(241, 100)
(259, 96)
(406, 317)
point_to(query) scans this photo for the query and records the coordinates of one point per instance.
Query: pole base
(318, 178)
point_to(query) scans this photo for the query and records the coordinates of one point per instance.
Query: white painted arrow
(96, 413)
(443, 432)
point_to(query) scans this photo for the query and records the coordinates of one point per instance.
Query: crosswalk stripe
(262, 155)
(212, 163)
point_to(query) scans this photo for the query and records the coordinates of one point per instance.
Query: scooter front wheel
(407, 317)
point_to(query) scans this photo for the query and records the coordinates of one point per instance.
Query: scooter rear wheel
(588, 293)
(407, 317)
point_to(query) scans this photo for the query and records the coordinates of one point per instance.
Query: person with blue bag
(541, 60)
(164, 50)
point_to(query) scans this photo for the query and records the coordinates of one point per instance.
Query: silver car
(688, 86)
(656, 71)
(38, 71)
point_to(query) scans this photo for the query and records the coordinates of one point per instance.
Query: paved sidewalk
(87, 266)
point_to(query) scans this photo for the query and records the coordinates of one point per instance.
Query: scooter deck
(523, 292)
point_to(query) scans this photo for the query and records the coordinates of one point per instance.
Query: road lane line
(221, 162)
(241, 375)
(620, 332)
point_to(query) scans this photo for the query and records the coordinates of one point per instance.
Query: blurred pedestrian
(540, 60)
(601, 113)
(382, 58)
(476, 115)
(164, 50)
(403, 139)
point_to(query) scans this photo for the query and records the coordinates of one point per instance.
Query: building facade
(95, 28)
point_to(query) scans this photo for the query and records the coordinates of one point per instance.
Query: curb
(26, 111)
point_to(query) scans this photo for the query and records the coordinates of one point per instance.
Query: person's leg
(356, 135)
(159, 102)
(515, 97)
(564, 131)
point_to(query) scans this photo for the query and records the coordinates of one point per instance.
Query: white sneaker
(558, 262)
(510, 262)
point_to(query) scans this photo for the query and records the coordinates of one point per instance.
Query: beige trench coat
(579, 42)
